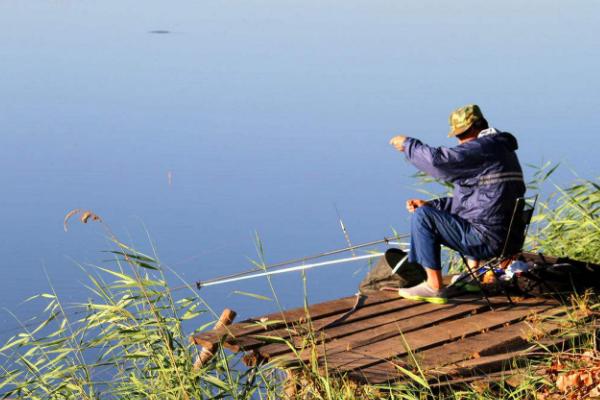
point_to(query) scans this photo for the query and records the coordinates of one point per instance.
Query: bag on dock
(563, 276)
(381, 274)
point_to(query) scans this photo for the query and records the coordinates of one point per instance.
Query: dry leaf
(515, 380)
(565, 382)
(595, 392)
(540, 396)
(85, 216)
(587, 379)
(480, 386)
(561, 383)
(573, 380)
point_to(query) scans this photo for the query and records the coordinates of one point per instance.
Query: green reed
(126, 341)
(568, 223)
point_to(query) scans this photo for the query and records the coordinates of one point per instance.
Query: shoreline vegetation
(128, 342)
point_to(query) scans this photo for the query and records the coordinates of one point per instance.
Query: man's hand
(398, 142)
(413, 204)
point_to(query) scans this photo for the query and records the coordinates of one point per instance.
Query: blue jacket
(486, 175)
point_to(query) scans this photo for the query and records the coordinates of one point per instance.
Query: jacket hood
(500, 138)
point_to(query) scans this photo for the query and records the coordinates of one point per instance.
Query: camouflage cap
(462, 118)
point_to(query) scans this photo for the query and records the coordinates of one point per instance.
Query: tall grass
(568, 223)
(127, 340)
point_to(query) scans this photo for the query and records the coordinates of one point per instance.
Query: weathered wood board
(385, 335)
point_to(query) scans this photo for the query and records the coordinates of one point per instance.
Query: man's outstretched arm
(439, 162)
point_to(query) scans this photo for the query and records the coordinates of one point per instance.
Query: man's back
(487, 179)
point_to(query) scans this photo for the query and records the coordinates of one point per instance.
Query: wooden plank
(226, 318)
(251, 341)
(487, 378)
(388, 372)
(403, 323)
(375, 376)
(388, 325)
(494, 364)
(425, 338)
(500, 340)
(279, 319)
(483, 366)
(372, 353)
(494, 361)
(361, 319)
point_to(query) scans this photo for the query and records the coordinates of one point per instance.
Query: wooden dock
(387, 336)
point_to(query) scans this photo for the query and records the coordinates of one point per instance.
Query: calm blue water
(266, 114)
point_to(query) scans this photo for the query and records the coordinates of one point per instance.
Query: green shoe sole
(434, 300)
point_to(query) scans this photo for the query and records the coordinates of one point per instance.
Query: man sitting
(487, 179)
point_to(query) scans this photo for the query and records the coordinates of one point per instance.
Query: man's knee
(422, 216)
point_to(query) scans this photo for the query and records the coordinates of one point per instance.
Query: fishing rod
(258, 272)
(201, 284)
(303, 259)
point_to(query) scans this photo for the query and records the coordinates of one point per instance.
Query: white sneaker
(424, 292)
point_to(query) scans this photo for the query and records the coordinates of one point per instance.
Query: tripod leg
(504, 288)
(476, 279)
